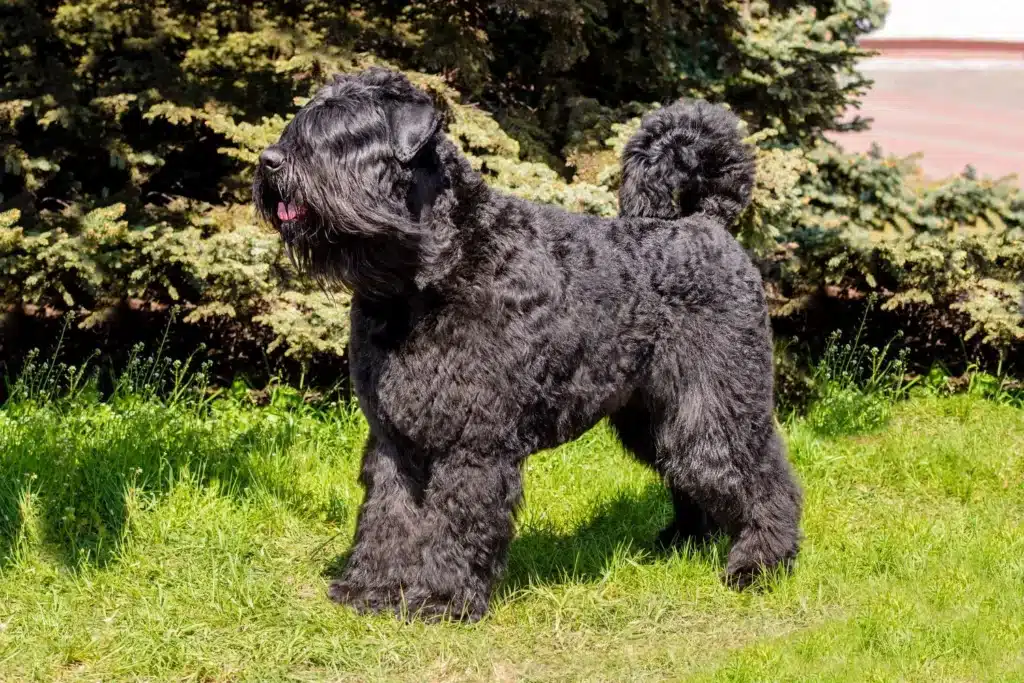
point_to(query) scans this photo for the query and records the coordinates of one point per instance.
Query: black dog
(485, 328)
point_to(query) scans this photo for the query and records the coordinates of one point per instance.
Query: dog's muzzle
(287, 212)
(272, 159)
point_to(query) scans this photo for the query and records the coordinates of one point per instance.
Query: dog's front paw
(361, 598)
(409, 604)
(432, 609)
(344, 593)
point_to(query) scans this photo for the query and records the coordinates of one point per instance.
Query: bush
(949, 253)
(128, 132)
(856, 386)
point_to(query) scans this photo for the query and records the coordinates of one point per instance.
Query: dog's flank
(486, 328)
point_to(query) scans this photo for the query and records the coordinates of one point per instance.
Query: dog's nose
(272, 159)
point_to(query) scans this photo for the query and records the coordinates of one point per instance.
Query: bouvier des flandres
(486, 328)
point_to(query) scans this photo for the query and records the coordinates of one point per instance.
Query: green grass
(184, 541)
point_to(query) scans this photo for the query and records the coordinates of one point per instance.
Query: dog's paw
(741, 579)
(432, 610)
(359, 598)
(742, 576)
(343, 593)
(407, 605)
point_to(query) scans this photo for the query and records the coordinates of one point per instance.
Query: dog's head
(352, 182)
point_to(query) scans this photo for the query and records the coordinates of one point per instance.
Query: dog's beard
(285, 209)
(280, 204)
(345, 237)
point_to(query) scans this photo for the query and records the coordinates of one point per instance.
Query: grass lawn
(156, 542)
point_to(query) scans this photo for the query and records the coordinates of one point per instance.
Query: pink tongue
(288, 212)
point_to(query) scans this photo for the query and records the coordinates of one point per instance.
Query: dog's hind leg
(635, 424)
(768, 535)
(716, 441)
(744, 483)
(705, 424)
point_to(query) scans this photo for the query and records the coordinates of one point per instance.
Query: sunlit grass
(141, 538)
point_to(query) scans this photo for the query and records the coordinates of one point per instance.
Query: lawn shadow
(78, 500)
(79, 491)
(627, 525)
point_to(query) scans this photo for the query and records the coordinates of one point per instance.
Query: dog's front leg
(430, 547)
(389, 533)
(469, 506)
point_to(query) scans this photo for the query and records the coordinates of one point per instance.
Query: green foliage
(949, 252)
(235, 271)
(857, 386)
(998, 387)
(128, 133)
(783, 65)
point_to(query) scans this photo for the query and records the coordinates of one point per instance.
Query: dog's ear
(412, 126)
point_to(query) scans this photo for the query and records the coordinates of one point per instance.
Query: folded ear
(412, 126)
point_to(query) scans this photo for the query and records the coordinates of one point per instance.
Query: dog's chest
(436, 383)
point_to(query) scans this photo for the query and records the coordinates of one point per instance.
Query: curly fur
(486, 328)
(687, 159)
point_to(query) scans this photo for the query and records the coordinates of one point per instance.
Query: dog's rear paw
(741, 579)
(746, 575)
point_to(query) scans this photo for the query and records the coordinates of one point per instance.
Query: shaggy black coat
(486, 328)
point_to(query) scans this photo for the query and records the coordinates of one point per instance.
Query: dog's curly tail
(687, 158)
